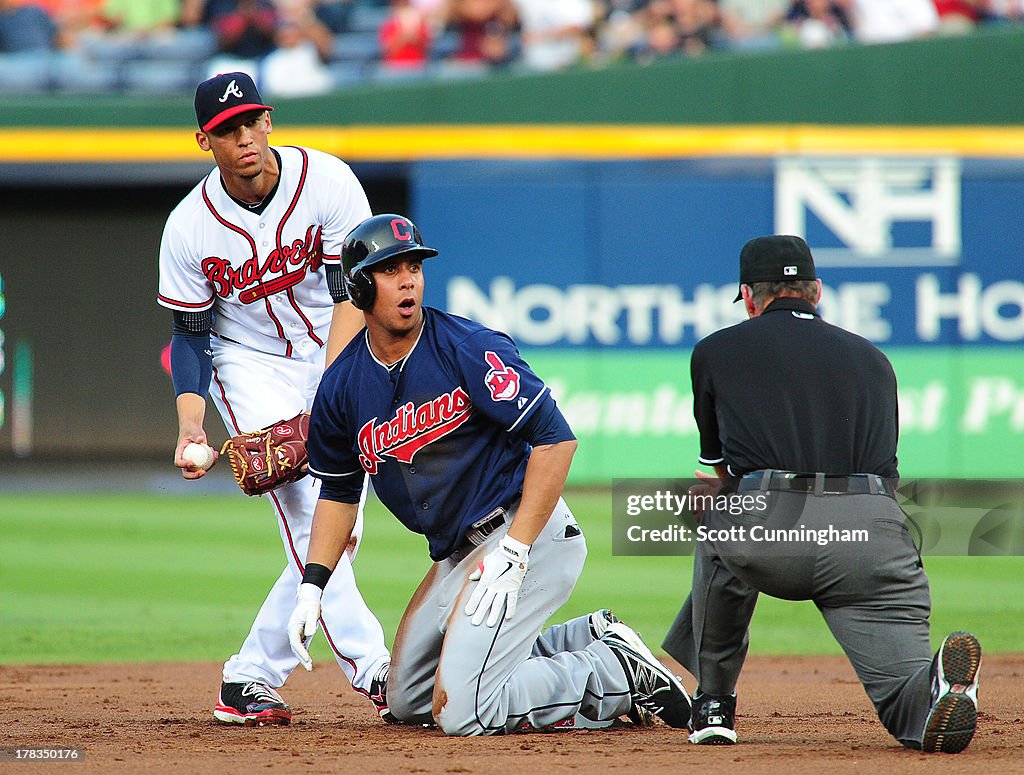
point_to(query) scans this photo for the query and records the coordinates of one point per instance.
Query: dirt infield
(798, 715)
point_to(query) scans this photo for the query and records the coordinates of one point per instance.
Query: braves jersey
(437, 432)
(261, 272)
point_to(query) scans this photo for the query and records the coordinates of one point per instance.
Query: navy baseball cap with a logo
(226, 95)
(775, 258)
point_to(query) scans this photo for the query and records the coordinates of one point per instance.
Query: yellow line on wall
(413, 143)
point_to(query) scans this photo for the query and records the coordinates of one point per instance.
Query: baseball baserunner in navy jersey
(466, 446)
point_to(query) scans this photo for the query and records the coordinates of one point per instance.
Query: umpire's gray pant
(874, 597)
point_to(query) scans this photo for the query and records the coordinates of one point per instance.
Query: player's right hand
(498, 578)
(303, 622)
(189, 470)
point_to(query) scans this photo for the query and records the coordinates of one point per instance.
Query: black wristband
(316, 574)
(336, 282)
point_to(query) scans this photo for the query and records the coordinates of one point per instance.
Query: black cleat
(379, 694)
(954, 715)
(253, 704)
(714, 720)
(599, 621)
(652, 685)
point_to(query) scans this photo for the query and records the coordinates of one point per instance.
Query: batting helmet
(377, 239)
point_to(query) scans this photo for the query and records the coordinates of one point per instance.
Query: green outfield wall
(961, 411)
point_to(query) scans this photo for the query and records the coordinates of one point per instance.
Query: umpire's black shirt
(786, 390)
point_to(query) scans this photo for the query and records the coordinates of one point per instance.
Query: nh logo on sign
(891, 212)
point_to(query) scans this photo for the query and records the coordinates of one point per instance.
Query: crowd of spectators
(303, 47)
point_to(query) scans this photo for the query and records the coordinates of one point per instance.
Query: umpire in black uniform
(803, 414)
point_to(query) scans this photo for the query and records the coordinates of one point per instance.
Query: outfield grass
(138, 578)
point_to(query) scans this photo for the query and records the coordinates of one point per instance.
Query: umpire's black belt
(813, 483)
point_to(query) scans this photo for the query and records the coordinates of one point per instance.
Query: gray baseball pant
(480, 680)
(874, 597)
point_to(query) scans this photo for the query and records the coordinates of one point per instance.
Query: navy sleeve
(500, 383)
(191, 364)
(546, 425)
(330, 444)
(191, 357)
(340, 489)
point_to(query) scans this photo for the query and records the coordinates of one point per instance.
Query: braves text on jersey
(261, 271)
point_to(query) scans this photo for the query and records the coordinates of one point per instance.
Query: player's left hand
(302, 624)
(500, 576)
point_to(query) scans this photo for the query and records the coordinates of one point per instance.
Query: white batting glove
(303, 622)
(500, 575)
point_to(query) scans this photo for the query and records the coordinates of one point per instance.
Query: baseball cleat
(714, 720)
(954, 714)
(599, 621)
(253, 704)
(378, 694)
(652, 685)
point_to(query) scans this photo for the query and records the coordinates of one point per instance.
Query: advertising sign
(608, 274)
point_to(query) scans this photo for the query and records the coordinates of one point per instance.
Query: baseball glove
(268, 458)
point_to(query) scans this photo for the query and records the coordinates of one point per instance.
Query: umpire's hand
(709, 486)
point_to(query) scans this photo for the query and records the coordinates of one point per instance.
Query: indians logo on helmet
(501, 380)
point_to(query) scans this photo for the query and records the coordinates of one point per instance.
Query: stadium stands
(98, 57)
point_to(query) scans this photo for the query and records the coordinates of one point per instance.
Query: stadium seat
(445, 45)
(26, 72)
(365, 17)
(111, 48)
(347, 74)
(189, 45)
(454, 69)
(158, 77)
(356, 47)
(74, 74)
(382, 73)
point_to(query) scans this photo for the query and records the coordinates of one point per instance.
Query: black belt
(814, 483)
(487, 524)
(483, 528)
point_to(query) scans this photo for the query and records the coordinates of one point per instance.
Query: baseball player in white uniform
(249, 265)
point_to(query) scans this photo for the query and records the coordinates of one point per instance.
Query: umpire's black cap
(226, 95)
(775, 258)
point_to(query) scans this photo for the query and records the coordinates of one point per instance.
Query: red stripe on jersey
(252, 244)
(227, 404)
(295, 199)
(280, 329)
(280, 232)
(226, 223)
(187, 304)
(309, 326)
(269, 288)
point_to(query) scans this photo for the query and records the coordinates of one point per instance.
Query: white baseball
(199, 455)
